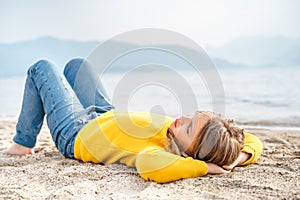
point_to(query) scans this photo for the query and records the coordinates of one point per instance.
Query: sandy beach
(48, 175)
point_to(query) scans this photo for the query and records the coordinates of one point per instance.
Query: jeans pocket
(85, 116)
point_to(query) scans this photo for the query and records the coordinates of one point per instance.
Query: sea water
(270, 94)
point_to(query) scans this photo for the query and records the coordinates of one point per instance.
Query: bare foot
(16, 149)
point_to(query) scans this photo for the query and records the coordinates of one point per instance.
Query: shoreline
(272, 128)
(252, 125)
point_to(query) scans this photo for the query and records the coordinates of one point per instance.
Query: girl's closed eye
(189, 130)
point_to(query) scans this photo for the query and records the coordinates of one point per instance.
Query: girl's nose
(184, 119)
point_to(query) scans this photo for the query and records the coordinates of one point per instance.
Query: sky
(213, 22)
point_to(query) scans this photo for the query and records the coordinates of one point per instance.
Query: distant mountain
(222, 63)
(260, 51)
(17, 57)
(241, 52)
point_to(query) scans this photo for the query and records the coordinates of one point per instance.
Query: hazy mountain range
(15, 58)
(260, 51)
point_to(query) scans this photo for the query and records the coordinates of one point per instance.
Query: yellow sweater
(138, 139)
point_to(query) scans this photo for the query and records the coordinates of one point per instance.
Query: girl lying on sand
(85, 126)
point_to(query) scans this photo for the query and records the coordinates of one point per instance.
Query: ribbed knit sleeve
(252, 146)
(157, 165)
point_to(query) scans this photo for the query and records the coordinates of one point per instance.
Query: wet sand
(48, 175)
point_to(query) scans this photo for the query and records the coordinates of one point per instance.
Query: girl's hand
(216, 169)
(241, 159)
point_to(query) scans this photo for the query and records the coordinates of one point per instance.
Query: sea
(266, 96)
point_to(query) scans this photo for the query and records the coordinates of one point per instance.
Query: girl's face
(187, 128)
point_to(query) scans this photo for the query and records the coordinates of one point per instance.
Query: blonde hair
(219, 142)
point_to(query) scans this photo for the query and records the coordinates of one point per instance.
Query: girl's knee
(72, 67)
(73, 64)
(41, 65)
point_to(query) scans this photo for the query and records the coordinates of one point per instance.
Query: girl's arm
(156, 164)
(250, 153)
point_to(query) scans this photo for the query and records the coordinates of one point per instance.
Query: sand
(48, 175)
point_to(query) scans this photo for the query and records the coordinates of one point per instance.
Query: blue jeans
(68, 107)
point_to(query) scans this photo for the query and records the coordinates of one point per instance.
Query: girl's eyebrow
(195, 126)
(192, 122)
